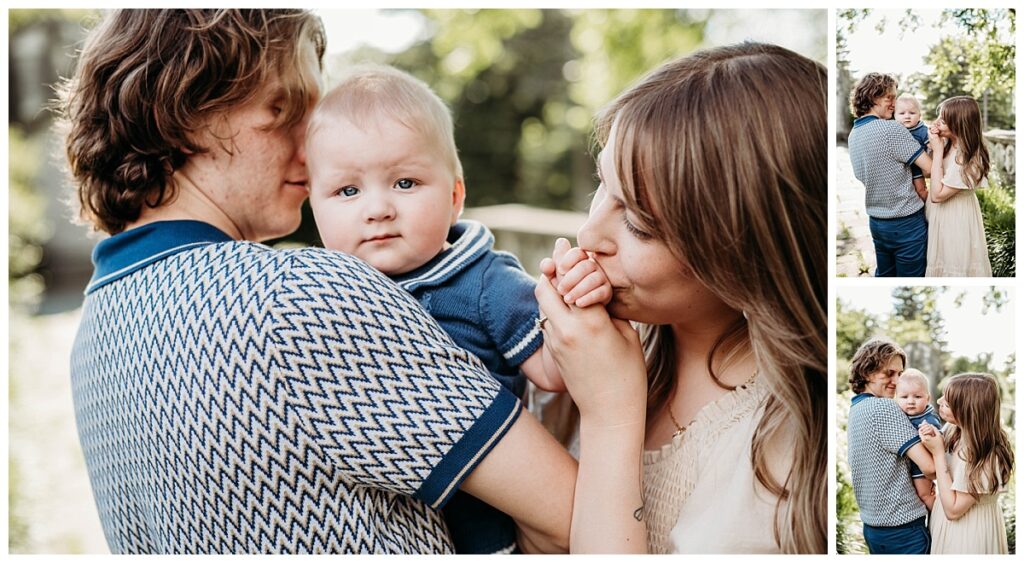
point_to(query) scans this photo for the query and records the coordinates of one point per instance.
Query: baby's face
(912, 397)
(380, 193)
(907, 113)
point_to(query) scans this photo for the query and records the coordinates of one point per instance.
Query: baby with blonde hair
(914, 399)
(386, 186)
(908, 113)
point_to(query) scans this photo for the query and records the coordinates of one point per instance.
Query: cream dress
(980, 530)
(700, 492)
(956, 233)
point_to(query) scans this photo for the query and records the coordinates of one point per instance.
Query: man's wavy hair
(872, 356)
(874, 85)
(148, 81)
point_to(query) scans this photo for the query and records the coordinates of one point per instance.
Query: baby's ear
(458, 199)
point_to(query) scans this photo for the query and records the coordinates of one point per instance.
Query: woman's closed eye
(634, 230)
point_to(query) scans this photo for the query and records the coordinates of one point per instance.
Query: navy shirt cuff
(474, 445)
(909, 444)
(913, 159)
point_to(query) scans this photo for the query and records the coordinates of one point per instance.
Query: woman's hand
(931, 438)
(602, 363)
(600, 358)
(935, 141)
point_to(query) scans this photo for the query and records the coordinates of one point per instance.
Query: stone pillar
(1002, 152)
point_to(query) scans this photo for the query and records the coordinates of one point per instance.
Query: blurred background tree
(524, 86)
(977, 61)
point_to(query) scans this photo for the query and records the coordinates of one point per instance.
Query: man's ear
(458, 199)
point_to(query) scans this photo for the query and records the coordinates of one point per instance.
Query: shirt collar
(127, 252)
(860, 397)
(469, 241)
(927, 411)
(864, 119)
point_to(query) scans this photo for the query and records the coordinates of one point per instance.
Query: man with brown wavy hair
(882, 442)
(231, 398)
(882, 152)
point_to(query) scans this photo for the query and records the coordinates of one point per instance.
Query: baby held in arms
(914, 399)
(386, 186)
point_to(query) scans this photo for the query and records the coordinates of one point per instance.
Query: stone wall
(1002, 151)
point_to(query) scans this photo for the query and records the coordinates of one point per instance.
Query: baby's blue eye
(349, 191)
(405, 184)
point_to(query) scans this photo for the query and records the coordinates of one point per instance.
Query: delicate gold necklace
(680, 428)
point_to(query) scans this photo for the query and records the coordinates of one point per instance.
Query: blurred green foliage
(848, 531)
(917, 317)
(27, 227)
(977, 62)
(523, 87)
(20, 19)
(955, 61)
(979, 59)
(999, 216)
(27, 231)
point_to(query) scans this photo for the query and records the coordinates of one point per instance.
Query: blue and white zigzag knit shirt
(231, 398)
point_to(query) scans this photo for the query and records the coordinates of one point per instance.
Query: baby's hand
(585, 284)
(576, 276)
(930, 437)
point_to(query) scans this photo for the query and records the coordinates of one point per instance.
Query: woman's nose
(593, 235)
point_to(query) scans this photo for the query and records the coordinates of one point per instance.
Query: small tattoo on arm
(638, 514)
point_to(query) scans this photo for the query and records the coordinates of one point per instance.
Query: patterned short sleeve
(892, 428)
(905, 148)
(509, 309)
(378, 385)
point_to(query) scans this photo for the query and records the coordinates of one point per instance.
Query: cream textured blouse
(700, 492)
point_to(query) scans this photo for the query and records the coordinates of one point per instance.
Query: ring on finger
(539, 321)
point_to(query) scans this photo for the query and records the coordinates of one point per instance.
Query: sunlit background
(523, 86)
(944, 330)
(975, 321)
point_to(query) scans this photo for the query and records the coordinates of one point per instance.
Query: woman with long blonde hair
(710, 225)
(971, 467)
(960, 164)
